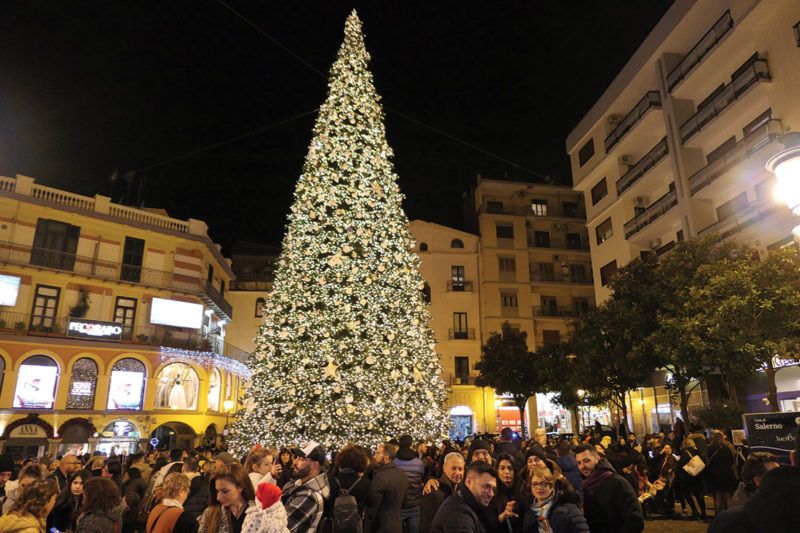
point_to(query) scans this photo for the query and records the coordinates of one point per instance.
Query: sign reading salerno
(92, 329)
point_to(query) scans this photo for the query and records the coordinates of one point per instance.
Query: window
(214, 389)
(177, 387)
(508, 299)
(228, 386)
(460, 330)
(457, 278)
(259, 310)
(426, 293)
(132, 257)
(679, 234)
(577, 274)
(586, 152)
(456, 243)
(604, 231)
(45, 304)
(757, 122)
(507, 264)
(494, 207)
(607, 272)
(125, 314)
(599, 191)
(549, 306)
(581, 305)
(126, 389)
(504, 231)
(36, 383)
(462, 370)
(222, 287)
(541, 239)
(55, 244)
(731, 207)
(423, 247)
(571, 209)
(82, 384)
(796, 30)
(574, 241)
(210, 278)
(551, 336)
(542, 272)
(539, 207)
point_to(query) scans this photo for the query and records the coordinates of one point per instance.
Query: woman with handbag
(690, 481)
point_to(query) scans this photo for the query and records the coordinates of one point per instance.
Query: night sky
(92, 88)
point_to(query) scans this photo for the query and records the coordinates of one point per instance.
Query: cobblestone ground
(658, 525)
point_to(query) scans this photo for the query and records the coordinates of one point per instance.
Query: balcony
(462, 334)
(91, 267)
(554, 211)
(460, 380)
(653, 211)
(650, 160)
(553, 311)
(752, 213)
(770, 131)
(651, 100)
(560, 277)
(700, 50)
(459, 286)
(557, 243)
(752, 72)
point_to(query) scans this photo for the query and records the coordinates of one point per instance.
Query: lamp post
(786, 167)
(581, 394)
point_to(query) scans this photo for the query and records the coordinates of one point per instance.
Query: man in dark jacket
(507, 445)
(412, 466)
(609, 502)
(464, 511)
(451, 476)
(389, 488)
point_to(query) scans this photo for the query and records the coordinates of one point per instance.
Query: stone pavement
(675, 526)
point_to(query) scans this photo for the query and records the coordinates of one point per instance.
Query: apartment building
(112, 326)
(676, 146)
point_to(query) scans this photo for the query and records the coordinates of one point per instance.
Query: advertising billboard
(772, 432)
(175, 313)
(125, 391)
(92, 329)
(9, 290)
(35, 386)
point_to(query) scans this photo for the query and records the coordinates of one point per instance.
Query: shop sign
(92, 329)
(772, 432)
(28, 431)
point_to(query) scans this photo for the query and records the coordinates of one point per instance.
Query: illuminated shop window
(214, 390)
(178, 386)
(126, 390)
(82, 384)
(36, 383)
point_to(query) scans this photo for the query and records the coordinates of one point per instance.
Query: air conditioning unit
(640, 201)
(655, 243)
(626, 160)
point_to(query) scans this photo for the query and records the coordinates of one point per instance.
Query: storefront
(75, 434)
(507, 415)
(463, 419)
(27, 437)
(552, 417)
(120, 437)
(173, 435)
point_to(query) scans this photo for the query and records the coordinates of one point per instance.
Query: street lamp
(582, 394)
(786, 167)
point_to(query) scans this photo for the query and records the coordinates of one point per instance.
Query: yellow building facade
(112, 326)
(676, 146)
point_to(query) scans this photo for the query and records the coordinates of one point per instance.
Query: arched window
(426, 293)
(423, 247)
(36, 383)
(126, 389)
(456, 243)
(228, 386)
(177, 388)
(260, 303)
(2, 371)
(214, 389)
(82, 384)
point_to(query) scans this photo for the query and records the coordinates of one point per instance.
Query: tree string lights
(194, 357)
(345, 353)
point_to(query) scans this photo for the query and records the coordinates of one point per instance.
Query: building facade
(676, 146)
(112, 326)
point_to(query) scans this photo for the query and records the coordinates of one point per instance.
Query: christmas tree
(345, 353)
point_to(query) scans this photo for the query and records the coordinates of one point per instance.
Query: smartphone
(651, 454)
(53, 530)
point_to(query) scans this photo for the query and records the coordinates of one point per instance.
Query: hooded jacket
(14, 523)
(569, 468)
(414, 469)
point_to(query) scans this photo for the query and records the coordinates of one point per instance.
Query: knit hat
(6, 464)
(268, 494)
(535, 451)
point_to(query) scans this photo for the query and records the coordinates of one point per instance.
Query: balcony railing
(770, 131)
(552, 211)
(651, 159)
(462, 334)
(559, 277)
(753, 71)
(707, 43)
(459, 286)
(461, 380)
(651, 100)
(17, 254)
(655, 210)
(559, 244)
(750, 214)
(550, 310)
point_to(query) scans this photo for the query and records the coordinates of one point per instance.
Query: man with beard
(453, 473)
(304, 497)
(389, 488)
(465, 510)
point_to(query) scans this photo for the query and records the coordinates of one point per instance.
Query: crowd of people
(486, 485)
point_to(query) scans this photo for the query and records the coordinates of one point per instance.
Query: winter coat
(430, 503)
(721, 475)
(14, 523)
(305, 503)
(137, 486)
(197, 501)
(460, 513)
(773, 508)
(569, 468)
(414, 469)
(612, 506)
(564, 516)
(63, 516)
(170, 519)
(389, 488)
(269, 520)
(361, 491)
(101, 521)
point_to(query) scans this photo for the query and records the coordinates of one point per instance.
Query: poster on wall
(35, 386)
(772, 432)
(125, 391)
(9, 290)
(175, 313)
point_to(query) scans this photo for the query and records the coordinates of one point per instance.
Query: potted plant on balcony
(80, 309)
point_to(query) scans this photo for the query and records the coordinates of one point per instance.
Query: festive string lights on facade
(345, 353)
(194, 357)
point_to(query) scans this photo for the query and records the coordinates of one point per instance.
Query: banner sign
(92, 329)
(772, 432)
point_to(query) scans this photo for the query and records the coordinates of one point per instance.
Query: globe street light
(786, 167)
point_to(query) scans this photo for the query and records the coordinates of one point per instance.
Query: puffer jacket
(414, 469)
(564, 516)
(14, 523)
(101, 521)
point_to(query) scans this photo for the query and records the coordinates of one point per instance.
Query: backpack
(345, 517)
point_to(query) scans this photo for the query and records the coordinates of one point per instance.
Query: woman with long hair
(555, 507)
(691, 487)
(68, 503)
(231, 497)
(285, 460)
(507, 503)
(101, 511)
(32, 507)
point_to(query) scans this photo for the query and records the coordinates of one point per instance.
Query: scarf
(594, 480)
(540, 510)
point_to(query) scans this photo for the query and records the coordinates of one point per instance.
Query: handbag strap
(347, 490)
(154, 521)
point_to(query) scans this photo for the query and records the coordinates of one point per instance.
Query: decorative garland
(199, 358)
(30, 419)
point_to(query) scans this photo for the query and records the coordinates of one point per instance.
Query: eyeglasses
(542, 485)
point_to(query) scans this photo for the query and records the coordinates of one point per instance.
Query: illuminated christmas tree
(345, 352)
